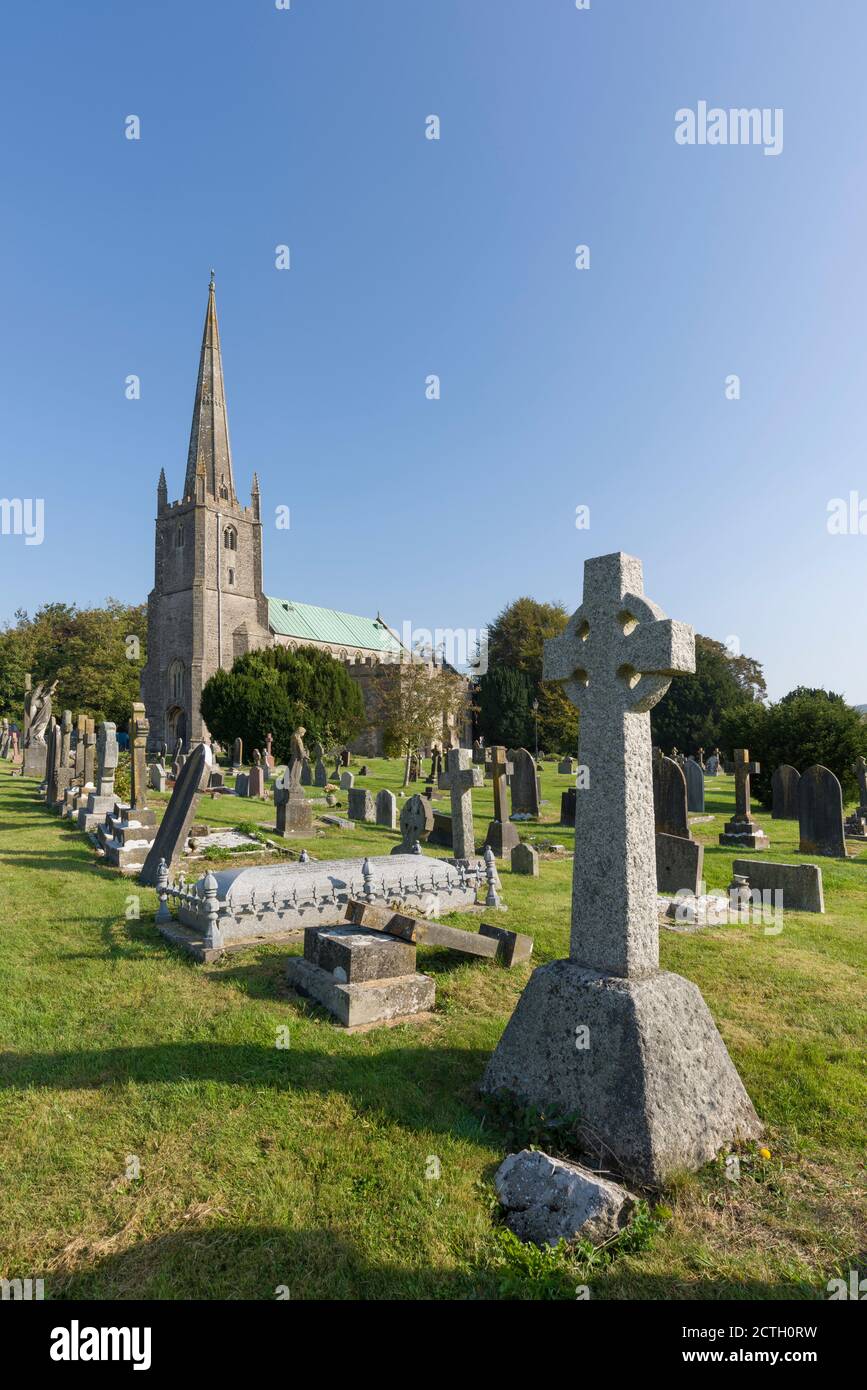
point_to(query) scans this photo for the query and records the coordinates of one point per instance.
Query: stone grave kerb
(615, 660)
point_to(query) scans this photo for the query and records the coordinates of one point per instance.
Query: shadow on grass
(51, 859)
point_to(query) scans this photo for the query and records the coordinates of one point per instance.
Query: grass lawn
(305, 1166)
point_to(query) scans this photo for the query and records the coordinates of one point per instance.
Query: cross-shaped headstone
(501, 768)
(743, 768)
(615, 660)
(860, 770)
(459, 780)
(106, 752)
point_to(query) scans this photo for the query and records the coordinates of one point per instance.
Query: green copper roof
(306, 622)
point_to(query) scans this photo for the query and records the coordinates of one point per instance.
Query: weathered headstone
(799, 884)
(157, 777)
(237, 756)
(180, 814)
(139, 728)
(359, 804)
(52, 762)
(294, 813)
(416, 824)
(478, 752)
(566, 765)
(502, 835)
(525, 786)
(694, 785)
(820, 813)
(679, 864)
(605, 1037)
(742, 831)
(256, 782)
(525, 860)
(459, 779)
(347, 781)
(784, 790)
(856, 824)
(101, 800)
(386, 809)
(320, 771)
(568, 806)
(669, 798)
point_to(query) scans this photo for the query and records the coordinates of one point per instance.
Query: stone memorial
(742, 831)
(694, 786)
(256, 778)
(347, 781)
(386, 809)
(139, 728)
(567, 766)
(568, 800)
(478, 752)
(458, 780)
(525, 860)
(784, 791)
(525, 784)
(656, 1091)
(502, 835)
(360, 805)
(416, 824)
(856, 824)
(799, 884)
(294, 813)
(679, 864)
(102, 799)
(179, 814)
(37, 717)
(820, 813)
(157, 776)
(360, 977)
(320, 771)
(63, 773)
(669, 798)
(237, 757)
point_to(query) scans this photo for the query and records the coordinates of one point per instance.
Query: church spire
(209, 461)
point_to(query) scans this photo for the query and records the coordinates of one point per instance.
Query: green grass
(305, 1166)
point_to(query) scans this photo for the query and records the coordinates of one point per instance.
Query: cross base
(502, 837)
(743, 832)
(652, 1094)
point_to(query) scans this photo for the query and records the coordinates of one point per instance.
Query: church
(208, 605)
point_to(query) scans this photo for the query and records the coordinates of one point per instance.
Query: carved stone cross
(615, 660)
(459, 780)
(501, 768)
(743, 768)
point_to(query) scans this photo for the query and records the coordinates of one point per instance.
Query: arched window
(180, 536)
(230, 538)
(176, 680)
(231, 579)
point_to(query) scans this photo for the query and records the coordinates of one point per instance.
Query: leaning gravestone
(525, 786)
(386, 809)
(820, 813)
(655, 1092)
(669, 798)
(784, 791)
(180, 814)
(694, 786)
(416, 824)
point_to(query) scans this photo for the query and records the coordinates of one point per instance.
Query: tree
(277, 689)
(413, 702)
(803, 728)
(505, 716)
(516, 643)
(689, 715)
(95, 654)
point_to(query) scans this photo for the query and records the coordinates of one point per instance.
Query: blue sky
(559, 388)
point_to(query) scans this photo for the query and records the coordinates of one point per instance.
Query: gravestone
(139, 728)
(306, 773)
(820, 813)
(242, 784)
(679, 864)
(180, 814)
(294, 813)
(502, 835)
(742, 831)
(386, 809)
(89, 751)
(157, 777)
(478, 752)
(566, 765)
(669, 798)
(416, 824)
(459, 779)
(101, 800)
(525, 785)
(347, 781)
(320, 771)
(63, 773)
(237, 756)
(856, 824)
(268, 758)
(712, 766)
(784, 790)
(799, 884)
(52, 763)
(694, 786)
(568, 806)
(360, 804)
(655, 1091)
(525, 860)
(256, 780)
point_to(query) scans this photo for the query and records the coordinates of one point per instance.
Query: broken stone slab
(800, 884)
(359, 1002)
(355, 956)
(550, 1199)
(509, 947)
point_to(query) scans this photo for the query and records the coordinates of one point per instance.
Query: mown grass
(305, 1167)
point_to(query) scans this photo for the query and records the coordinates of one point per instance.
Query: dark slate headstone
(360, 804)
(820, 813)
(180, 813)
(568, 806)
(669, 798)
(784, 789)
(386, 809)
(694, 785)
(679, 864)
(416, 823)
(525, 788)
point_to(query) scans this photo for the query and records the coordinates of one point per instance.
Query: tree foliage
(689, 716)
(516, 641)
(275, 690)
(805, 727)
(95, 654)
(412, 702)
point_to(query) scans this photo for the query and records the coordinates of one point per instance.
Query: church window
(231, 578)
(176, 680)
(230, 538)
(180, 536)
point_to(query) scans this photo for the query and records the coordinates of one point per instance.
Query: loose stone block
(800, 884)
(820, 813)
(354, 956)
(355, 1006)
(550, 1199)
(525, 860)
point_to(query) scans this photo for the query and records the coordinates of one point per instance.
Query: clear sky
(603, 387)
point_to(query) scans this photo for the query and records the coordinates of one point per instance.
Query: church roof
(210, 455)
(307, 622)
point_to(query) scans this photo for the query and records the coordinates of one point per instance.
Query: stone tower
(207, 606)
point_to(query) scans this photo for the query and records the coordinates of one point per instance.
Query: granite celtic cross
(615, 660)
